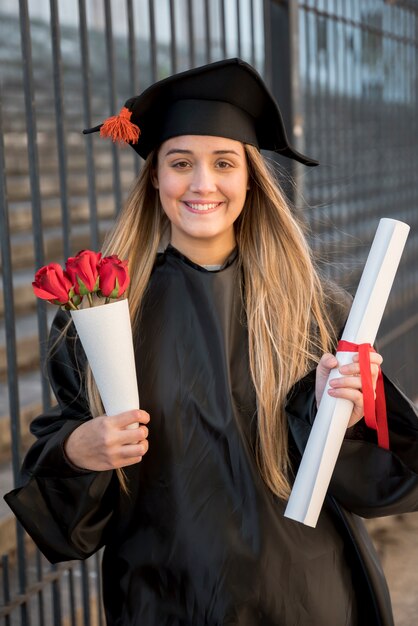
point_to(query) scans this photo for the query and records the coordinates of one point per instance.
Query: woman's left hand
(349, 385)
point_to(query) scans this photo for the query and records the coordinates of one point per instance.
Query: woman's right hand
(107, 442)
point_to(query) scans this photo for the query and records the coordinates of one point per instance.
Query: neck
(205, 252)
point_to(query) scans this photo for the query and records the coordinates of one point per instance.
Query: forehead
(201, 144)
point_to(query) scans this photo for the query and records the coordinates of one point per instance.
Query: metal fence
(345, 75)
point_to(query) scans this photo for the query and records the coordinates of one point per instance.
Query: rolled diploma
(106, 336)
(327, 434)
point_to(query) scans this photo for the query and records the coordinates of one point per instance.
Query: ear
(154, 179)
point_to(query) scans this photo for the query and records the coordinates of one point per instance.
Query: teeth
(202, 207)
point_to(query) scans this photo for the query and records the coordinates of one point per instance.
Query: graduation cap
(223, 99)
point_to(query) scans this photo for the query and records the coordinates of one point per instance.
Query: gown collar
(172, 251)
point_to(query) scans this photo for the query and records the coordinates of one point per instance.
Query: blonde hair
(282, 294)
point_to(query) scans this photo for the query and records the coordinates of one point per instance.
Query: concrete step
(22, 244)
(28, 413)
(17, 163)
(27, 342)
(23, 296)
(21, 222)
(30, 396)
(20, 213)
(18, 187)
(30, 406)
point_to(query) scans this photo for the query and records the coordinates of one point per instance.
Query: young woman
(233, 332)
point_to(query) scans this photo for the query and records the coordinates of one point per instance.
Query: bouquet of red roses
(104, 331)
(87, 274)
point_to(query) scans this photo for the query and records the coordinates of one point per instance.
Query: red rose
(83, 271)
(113, 276)
(52, 283)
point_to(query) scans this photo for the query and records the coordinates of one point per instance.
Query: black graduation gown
(200, 540)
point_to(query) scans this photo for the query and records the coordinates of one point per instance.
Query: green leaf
(83, 289)
(114, 293)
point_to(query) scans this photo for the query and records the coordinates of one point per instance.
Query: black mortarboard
(225, 99)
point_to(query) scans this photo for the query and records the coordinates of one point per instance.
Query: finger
(143, 432)
(328, 361)
(122, 420)
(133, 450)
(144, 417)
(375, 357)
(348, 393)
(347, 382)
(127, 462)
(132, 435)
(350, 369)
(353, 369)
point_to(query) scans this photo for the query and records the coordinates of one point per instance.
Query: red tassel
(120, 128)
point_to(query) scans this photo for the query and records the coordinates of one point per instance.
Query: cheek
(171, 187)
(239, 190)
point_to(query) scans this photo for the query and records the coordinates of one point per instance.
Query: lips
(202, 207)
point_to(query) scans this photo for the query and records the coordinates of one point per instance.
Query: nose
(203, 180)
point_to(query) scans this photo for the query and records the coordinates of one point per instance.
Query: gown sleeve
(367, 480)
(65, 509)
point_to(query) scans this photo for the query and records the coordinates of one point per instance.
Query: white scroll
(333, 415)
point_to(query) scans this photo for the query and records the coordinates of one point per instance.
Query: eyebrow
(180, 151)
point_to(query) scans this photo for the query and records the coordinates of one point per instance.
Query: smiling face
(202, 182)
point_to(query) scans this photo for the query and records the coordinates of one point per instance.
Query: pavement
(396, 540)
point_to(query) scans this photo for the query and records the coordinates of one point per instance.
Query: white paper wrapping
(333, 415)
(106, 335)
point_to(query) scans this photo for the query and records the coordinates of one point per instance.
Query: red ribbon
(374, 407)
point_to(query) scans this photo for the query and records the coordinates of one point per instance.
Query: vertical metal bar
(9, 321)
(297, 114)
(110, 56)
(344, 103)
(85, 591)
(56, 598)
(332, 115)
(6, 585)
(207, 32)
(153, 41)
(252, 30)
(91, 173)
(60, 125)
(350, 81)
(320, 109)
(309, 121)
(40, 594)
(133, 66)
(223, 28)
(34, 180)
(39, 257)
(191, 33)
(97, 561)
(173, 42)
(71, 594)
(268, 62)
(238, 27)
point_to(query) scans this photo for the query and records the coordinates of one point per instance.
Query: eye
(180, 165)
(223, 165)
